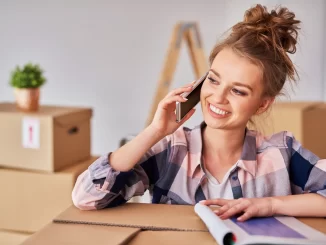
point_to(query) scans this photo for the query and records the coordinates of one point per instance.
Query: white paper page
(275, 230)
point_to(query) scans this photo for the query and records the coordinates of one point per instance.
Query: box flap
(44, 110)
(73, 117)
(140, 215)
(173, 237)
(54, 234)
(321, 106)
(297, 105)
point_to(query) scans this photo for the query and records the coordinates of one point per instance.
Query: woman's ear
(267, 101)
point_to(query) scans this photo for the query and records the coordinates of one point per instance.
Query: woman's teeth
(217, 111)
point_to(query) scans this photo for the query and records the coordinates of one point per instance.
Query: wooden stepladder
(183, 31)
(187, 32)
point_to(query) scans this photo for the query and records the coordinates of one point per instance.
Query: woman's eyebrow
(215, 72)
(242, 85)
(234, 83)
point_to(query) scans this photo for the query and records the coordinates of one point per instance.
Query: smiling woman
(220, 161)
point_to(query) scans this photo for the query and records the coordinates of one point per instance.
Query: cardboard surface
(47, 140)
(144, 223)
(12, 238)
(55, 234)
(146, 216)
(306, 120)
(317, 223)
(173, 237)
(30, 200)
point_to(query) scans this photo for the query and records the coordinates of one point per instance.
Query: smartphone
(193, 96)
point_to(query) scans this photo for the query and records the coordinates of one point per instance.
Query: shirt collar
(247, 162)
(196, 148)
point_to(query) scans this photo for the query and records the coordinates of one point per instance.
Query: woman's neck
(222, 144)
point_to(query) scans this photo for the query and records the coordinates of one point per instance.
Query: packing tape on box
(221, 233)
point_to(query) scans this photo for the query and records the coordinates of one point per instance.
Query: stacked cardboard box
(306, 120)
(41, 155)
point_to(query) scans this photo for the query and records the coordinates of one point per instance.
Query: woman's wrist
(276, 204)
(154, 132)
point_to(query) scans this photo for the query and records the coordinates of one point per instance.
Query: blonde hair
(265, 39)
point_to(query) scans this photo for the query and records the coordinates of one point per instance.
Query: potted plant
(27, 82)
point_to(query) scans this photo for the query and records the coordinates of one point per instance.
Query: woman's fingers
(227, 206)
(249, 213)
(247, 207)
(219, 202)
(179, 91)
(233, 210)
(169, 100)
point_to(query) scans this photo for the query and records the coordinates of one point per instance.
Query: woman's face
(232, 92)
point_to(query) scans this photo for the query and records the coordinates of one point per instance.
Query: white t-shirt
(219, 190)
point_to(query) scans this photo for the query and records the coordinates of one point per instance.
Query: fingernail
(185, 98)
(202, 202)
(217, 212)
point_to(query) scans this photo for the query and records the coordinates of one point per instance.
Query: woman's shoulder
(280, 139)
(185, 135)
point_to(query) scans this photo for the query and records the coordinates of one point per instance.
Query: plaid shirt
(269, 166)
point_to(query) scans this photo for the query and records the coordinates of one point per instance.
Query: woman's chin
(215, 124)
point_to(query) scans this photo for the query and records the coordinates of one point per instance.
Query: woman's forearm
(125, 158)
(311, 204)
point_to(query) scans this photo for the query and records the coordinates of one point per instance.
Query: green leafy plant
(30, 76)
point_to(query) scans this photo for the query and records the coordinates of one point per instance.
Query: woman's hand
(248, 207)
(164, 120)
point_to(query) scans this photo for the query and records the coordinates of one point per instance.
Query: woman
(220, 162)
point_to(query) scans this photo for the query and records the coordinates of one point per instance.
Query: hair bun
(277, 28)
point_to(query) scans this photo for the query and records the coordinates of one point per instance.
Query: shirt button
(234, 178)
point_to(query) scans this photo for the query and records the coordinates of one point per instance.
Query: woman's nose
(220, 96)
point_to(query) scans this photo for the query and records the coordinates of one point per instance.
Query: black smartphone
(193, 96)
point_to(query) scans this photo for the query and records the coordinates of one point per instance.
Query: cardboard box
(47, 140)
(131, 223)
(30, 200)
(12, 238)
(306, 120)
(135, 224)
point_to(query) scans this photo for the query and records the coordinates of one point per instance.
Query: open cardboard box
(133, 223)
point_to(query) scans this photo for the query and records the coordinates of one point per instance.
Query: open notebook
(270, 230)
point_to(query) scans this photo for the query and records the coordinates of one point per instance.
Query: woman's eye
(238, 92)
(211, 80)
